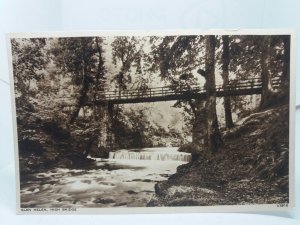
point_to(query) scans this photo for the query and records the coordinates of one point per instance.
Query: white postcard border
(159, 210)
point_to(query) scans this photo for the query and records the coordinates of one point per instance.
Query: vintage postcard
(153, 121)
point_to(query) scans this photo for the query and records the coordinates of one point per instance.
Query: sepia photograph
(153, 120)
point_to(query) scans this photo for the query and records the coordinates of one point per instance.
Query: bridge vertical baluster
(138, 93)
(115, 94)
(131, 95)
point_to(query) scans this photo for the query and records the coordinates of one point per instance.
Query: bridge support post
(199, 131)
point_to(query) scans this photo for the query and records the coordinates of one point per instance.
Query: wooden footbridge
(171, 93)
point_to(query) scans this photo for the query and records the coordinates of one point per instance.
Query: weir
(151, 155)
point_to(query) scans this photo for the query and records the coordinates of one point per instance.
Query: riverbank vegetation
(251, 168)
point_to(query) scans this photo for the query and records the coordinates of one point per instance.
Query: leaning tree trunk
(267, 90)
(214, 136)
(225, 76)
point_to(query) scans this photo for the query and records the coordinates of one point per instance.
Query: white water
(164, 154)
(111, 183)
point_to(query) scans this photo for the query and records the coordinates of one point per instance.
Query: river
(126, 179)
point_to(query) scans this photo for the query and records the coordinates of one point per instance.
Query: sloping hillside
(251, 168)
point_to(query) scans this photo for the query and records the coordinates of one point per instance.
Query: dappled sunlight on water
(110, 183)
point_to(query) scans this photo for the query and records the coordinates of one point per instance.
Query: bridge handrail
(181, 89)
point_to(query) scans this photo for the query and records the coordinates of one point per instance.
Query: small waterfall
(151, 155)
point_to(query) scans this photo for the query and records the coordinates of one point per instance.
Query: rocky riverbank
(252, 167)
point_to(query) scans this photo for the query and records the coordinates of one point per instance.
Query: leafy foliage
(29, 61)
(126, 52)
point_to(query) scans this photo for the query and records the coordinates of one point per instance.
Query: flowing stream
(126, 179)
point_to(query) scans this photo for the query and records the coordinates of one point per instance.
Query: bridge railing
(150, 92)
(176, 90)
(233, 85)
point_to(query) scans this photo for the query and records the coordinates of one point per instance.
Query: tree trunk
(100, 69)
(214, 136)
(82, 94)
(199, 130)
(99, 112)
(99, 86)
(110, 132)
(225, 76)
(267, 93)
